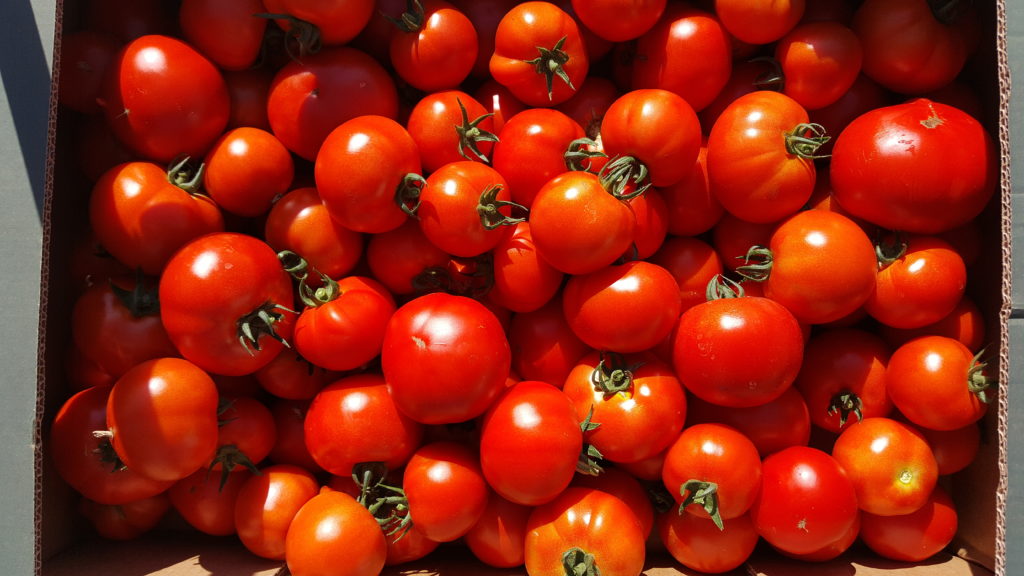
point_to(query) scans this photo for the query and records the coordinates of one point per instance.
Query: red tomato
(128, 197)
(698, 544)
(890, 464)
(446, 490)
(651, 212)
(498, 538)
(806, 501)
(162, 415)
(913, 537)
(336, 21)
(530, 150)
(207, 501)
(334, 534)
(266, 504)
(625, 487)
(539, 54)
(713, 471)
(820, 61)
(464, 208)
(225, 301)
(530, 441)
(88, 463)
(290, 446)
(203, 23)
(738, 351)
(747, 76)
(733, 237)
(692, 208)
(248, 90)
(920, 167)
(485, 16)
(435, 46)
(543, 345)
(309, 99)
(954, 449)
(86, 55)
(863, 96)
(693, 263)
(449, 126)
(355, 420)
(499, 101)
(771, 426)
(833, 550)
(403, 259)
(523, 281)
(246, 170)
(761, 153)
(756, 22)
(938, 383)
(163, 99)
(290, 376)
(618, 20)
(245, 435)
(125, 521)
(590, 103)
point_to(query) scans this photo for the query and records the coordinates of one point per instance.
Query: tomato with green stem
(699, 544)
(772, 426)
(245, 435)
(756, 22)
(435, 46)
(328, 23)
(333, 533)
(449, 126)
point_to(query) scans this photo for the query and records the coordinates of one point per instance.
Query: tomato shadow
(25, 74)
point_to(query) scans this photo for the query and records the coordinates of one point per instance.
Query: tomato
(806, 501)
(833, 550)
(246, 170)
(890, 464)
(747, 76)
(692, 208)
(543, 345)
(954, 449)
(435, 47)
(578, 226)
(929, 48)
(687, 52)
(309, 99)
(820, 62)
(163, 99)
(412, 546)
(207, 501)
(336, 21)
(248, 90)
(938, 383)
(843, 377)
(651, 212)
(921, 167)
(125, 521)
(700, 545)
(539, 54)
(88, 463)
(403, 259)
(290, 444)
(342, 327)
(290, 376)
(299, 222)
(761, 156)
(530, 440)
(128, 197)
(757, 22)
(162, 416)
(333, 534)
(464, 208)
(583, 530)
(523, 281)
(757, 349)
(636, 399)
(225, 302)
(820, 265)
(732, 238)
(355, 420)
(863, 96)
(87, 54)
(499, 536)
(245, 436)
(530, 150)
(713, 471)
(498, 100)
(626, 487)
(693, 263)
(919, 285)
(590, 103)
(913, 537)
(203, 23)
(266, 504)
(449, 126)
(362, 166)
(446, 490)
(771, 426)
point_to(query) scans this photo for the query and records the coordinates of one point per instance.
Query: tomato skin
(446, 489)
(920, 166)
(79, 458)
(338, 21)
(771, 426)
(125, 521)
(203, 23)
(954, 449)
(163, 417)
(308, 100)
(498, 538)
(758, 350)
(440, 54)
(125, 200)
(693, 263)
(248, 90)
(451, 339)
(927, 379)
(202, 316)
(864, 95)
(290, 444)
(450, 209)
(820, 62)
(756, 22)
(520, 32)
(246, 433)
(698, 544)
(246, 170)
(543, 345)
(433, 124)
(750, 170)
(530, 460)
(806, 501)
(626, 487)
(622, 308)
(913, 537)
(618, 20)
(523, 281)
(399, 257)
(354, 420)
(266, 504)
(164, 99)
(332, 534)
(890, 464)
(207, 501)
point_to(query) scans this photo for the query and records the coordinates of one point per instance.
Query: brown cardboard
(63, 548)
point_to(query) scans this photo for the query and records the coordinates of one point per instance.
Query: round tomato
(403, 260)
(913, 537)
(336, 21)
(266, 504)
(207, 501)
(246, 170)
(756, 22)
(245, 435)
(290, 376)
(625, 487)
(771, 426)
(435, 46)
(446, 490)
(523, 281)
(449, 126)
(299, 222)
(820, 61)
(498, 537)
(333, 534)
(616, 20)
(543, 345)
(125, 521)
(699, 544)
(464, 208)
(203, 23)
(693, 263)
(290, 445)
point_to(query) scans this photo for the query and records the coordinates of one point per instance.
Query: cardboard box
(64, 547)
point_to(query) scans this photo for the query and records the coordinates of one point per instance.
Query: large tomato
(820, 62)
(523, 281)
(498, 537)
(544, 347)
(618, 20)
(444, 338)
(298, 221)
(207, 501)
(448, 126)
(920, 166)
(756, 22)
(698, 544)
(225, 301)
(125, 521)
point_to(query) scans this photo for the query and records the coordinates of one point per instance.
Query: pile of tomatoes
(557, 283)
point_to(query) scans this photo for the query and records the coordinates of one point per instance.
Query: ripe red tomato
(450, 339)
(932, 167)
(266, 504)
(756, 22)
(698, 544)
(530, 150)
(498, 537)
(530, 440)
(289, 376)
(965, 323)
(203, 23)
(446, 490)
(523, 281)
(403, 259)
(162, 415)
(355, 420)
(163, 99)
(245, 435)
(225, 301)
(207, 501)
(616, 20)
(539, 54)
(693, 263)
(435, 46)
(290, 446)
(806, 501)
(246, 170)
(126, 200)
(464, 208)
(916, 536)
(125, 521)
(820, 62)
(584, 530)
(336, 21)
(625, 487)
(771, 426)
(954, 449)
(334, 534)
(543, 345)
(299, 222)
(448, 126)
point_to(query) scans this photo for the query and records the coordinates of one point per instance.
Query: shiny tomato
(435, 46)
(698, 544)
(523, 281)
(913, 537)
(756, 22)
(616, 20)
(334, 534)
(464, 208)
(820, 61)
(625, 487)
(446, 490)
(246, 170)
(954, 449)
(732, 238)
(203, 23)
(530, 150)
(499, 536)
(771, 426)
(448, 126)
(864, 95)
(266, 504)
(652, 215)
